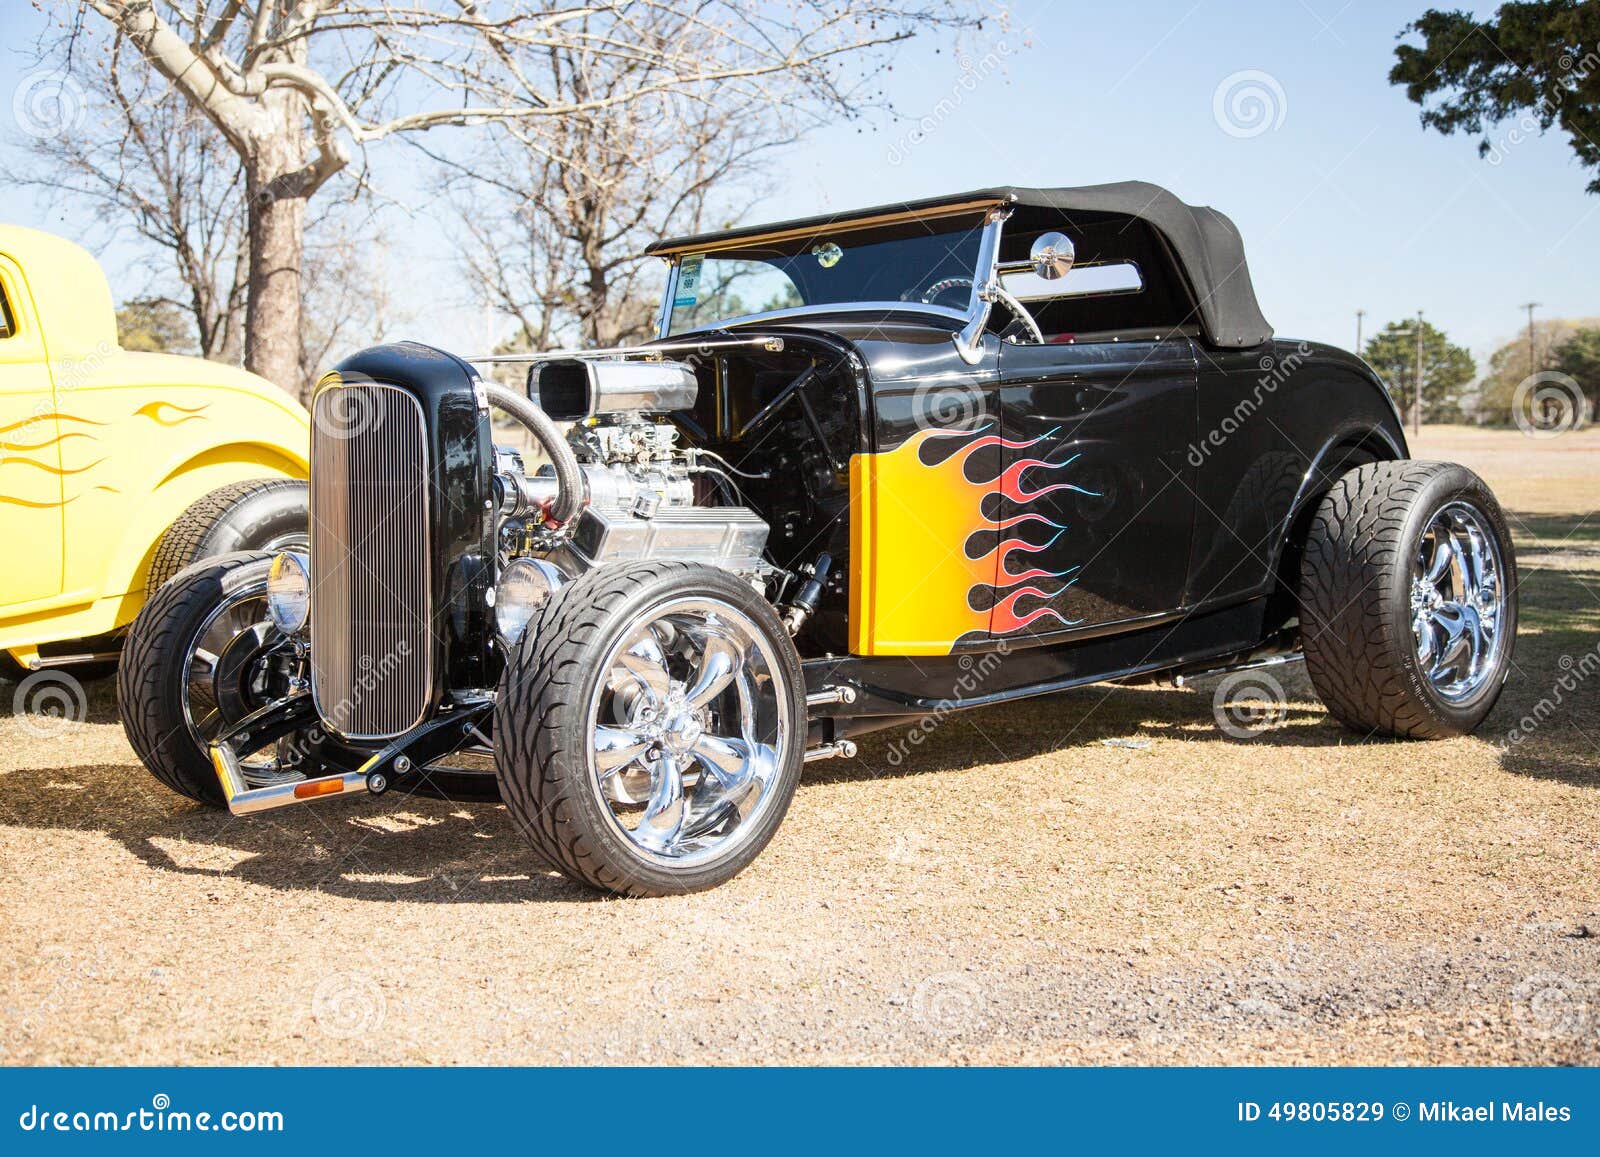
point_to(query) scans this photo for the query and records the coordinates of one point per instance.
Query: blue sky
(1344, 201)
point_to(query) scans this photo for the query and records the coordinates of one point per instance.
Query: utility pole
(1416, 418)
(1530, 306)
(1360, 313)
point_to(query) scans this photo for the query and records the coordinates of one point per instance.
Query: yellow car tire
(270, 514)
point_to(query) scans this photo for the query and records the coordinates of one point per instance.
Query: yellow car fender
(102, 449)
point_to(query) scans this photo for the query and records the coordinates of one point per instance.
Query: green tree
(1579, 358)
(1446, 368)
(1513, 363)
(1534, 64)
(155, 325)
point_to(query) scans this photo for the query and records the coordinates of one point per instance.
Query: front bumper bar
(401, 760)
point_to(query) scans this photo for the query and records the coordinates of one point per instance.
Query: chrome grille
(371, 648)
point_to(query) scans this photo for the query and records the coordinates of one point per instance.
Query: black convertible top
(1207, 245)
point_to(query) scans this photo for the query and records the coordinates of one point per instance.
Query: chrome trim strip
(772, 345)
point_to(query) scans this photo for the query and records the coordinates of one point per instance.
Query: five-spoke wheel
(1456, 602)
(649, 730)
(686, 729)
(1408, 599)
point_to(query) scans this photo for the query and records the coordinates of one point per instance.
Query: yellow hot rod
(118, 469)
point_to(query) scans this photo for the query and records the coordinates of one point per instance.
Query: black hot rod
(1049, 425)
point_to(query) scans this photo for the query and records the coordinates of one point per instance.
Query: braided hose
(569, 478)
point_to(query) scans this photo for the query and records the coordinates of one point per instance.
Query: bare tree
(345, 291)
(294, 85)
(146, 158)
(552, 224)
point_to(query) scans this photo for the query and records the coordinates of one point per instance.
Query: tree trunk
(277, 214)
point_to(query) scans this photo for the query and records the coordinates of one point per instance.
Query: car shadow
(395, 848)
(401, 846)
(1546, 725)
(1100, 714)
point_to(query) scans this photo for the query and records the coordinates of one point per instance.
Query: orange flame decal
(934, 567)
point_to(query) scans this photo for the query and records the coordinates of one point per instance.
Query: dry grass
(1017, 891)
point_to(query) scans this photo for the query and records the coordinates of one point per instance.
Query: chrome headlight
(525, 585)
(289, 591)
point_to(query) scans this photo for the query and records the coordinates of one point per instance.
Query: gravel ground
(1014, 889)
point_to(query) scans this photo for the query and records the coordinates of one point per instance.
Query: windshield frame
(973, 318)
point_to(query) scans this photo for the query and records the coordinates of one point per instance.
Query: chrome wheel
(1458, 602)
(687, 732)
(209, 689)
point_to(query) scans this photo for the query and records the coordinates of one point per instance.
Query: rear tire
(1377, 629)
(269, 514)
(611, 666)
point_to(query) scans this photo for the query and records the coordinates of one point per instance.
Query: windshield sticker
(688, 280)
(827, 254)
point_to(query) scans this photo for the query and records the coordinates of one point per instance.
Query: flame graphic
(11, 500)
(52, 417)
(58, 471)
(941, 565)
(16, 451)
(154, 411)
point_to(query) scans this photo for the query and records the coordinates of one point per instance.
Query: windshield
(926, 261)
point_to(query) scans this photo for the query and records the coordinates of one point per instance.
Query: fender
(182, 485)
(1373, 442)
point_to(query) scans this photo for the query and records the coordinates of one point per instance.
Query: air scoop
(575, 388)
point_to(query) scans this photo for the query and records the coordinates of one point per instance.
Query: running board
(1183, 678)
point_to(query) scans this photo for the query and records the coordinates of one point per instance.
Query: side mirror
(1052, 255)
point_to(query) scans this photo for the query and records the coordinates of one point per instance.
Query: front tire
(1408, 600)
(650, 728)
(166, 694)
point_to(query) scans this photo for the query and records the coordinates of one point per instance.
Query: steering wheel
(943, 286)
(1021, 325)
